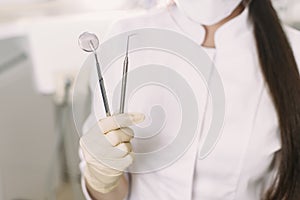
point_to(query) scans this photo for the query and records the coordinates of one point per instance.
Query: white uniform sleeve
(83, 185)
(117, 27)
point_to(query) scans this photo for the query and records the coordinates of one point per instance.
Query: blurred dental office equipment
(26, 127)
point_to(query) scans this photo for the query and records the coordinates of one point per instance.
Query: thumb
(120, 121)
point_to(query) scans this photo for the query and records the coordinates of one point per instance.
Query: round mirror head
(88, 42)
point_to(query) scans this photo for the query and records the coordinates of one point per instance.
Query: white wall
(289, 10)
(7, 2)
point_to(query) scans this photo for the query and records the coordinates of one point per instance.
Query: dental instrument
(124, 78)
(89, 42)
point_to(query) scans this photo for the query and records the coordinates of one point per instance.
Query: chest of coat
(248, 140)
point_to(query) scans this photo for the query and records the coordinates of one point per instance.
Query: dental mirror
(88, 42)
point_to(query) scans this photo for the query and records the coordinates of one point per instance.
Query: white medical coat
(242, 164)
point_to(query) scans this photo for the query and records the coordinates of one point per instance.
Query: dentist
(258, 155)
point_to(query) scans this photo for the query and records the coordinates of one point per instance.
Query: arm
(119, 193)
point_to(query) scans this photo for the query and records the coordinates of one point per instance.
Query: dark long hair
(282, 77)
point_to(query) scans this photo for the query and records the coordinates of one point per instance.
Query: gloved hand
(107, 150)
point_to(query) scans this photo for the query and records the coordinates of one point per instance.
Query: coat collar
(226, 35)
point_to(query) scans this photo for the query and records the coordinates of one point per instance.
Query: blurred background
(39, 57)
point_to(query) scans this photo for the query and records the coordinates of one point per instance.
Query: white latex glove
(107, 150)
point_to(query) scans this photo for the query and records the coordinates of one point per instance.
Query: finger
(122, 163)
(128, 131)
(120, 121)
(125, 147)
(122, 135)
